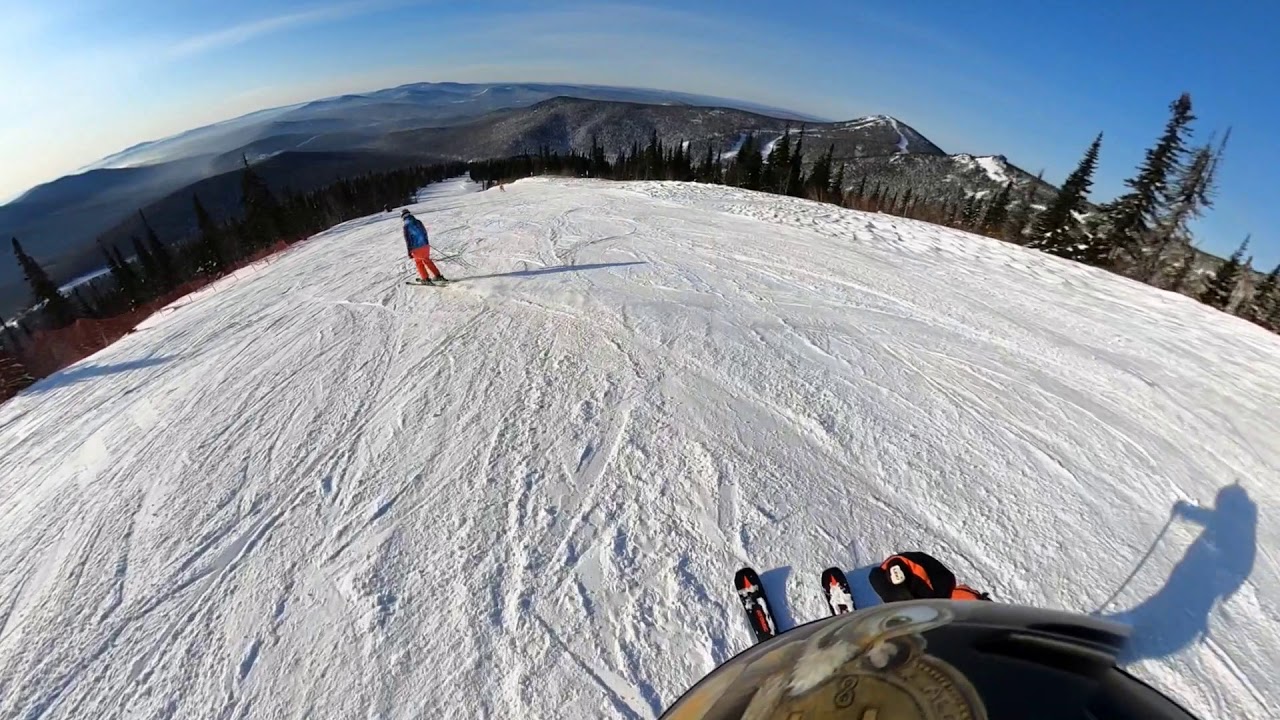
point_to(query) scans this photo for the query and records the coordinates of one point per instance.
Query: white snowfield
(316, 492)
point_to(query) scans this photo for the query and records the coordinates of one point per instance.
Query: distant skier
(419, 245)
(918, 576)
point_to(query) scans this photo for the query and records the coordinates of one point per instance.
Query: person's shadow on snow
(1215, 566)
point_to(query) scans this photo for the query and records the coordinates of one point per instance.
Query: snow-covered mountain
(314, 491)
(567, 123)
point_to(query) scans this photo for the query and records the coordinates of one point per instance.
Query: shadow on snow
(554, 270)
(1213, 568)
(84, 373)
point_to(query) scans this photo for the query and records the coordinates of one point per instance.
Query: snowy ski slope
(314, 491)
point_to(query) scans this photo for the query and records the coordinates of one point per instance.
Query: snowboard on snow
(755, 604)
(419, 283)
(835, 588)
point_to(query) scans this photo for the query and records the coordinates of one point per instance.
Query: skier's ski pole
(1160, 536)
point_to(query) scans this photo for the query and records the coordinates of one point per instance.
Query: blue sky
(1033, 81)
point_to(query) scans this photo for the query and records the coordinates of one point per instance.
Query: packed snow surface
(315, 491)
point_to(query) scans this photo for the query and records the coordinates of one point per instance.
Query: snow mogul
(943, 657)
(419, 245)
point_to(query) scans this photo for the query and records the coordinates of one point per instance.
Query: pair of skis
(835, 588)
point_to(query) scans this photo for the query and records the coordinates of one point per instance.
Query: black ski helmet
(404, 212)
(932, 660)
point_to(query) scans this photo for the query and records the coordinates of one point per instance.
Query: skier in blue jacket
(419, 246)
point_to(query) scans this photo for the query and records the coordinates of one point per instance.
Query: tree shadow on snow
(1214, 567)
(554, 270)
(84, 373)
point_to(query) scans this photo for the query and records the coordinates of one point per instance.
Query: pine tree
(1133, 214)
(836, 191)
(705, 173)
(150, 269)
(165, 267)
(1221, 287)
(752, 163)
(820, 175)
(860, 195)
(795, 175)
(952, 213)
(261, 211)
(1056, 230)
(997, 214)
(969, 216)
(873, 201)
(776, 165)
(87, 309)
(1265, 300)
(905, 209)
(1180, 277)
(43, 290)
(126, 281)
(1023, 214)
(1191, 194)
(210, 240)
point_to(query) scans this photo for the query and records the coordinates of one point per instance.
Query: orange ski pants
(422, 260)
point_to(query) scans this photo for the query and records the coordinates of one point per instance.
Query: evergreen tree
(820, 176)
(261, 211)
(752, 163)
(87, 309)
(860, 195)
(599, 164)
(795, 175)
(653, 158)
(1022, 215)
(1191, 194)
(1184, 266)
(777, 165)
(705, 173)
(905, 209)
(1266, 297)
(873, 201)
(43, 290)
(165, 266)
(1057, 229)
(150, 270)
(997, 214)
(836, 191)
(1133, 214)
(213, 260)
(126, 281)
(969, 216)
(1221, 287)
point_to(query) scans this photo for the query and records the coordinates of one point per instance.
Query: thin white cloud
(246, 31)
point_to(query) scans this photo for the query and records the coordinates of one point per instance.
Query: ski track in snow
(902, 139)
(313, 491)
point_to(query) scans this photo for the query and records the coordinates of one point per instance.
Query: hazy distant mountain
(337, 123)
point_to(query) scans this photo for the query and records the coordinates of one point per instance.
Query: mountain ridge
(59, 221)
